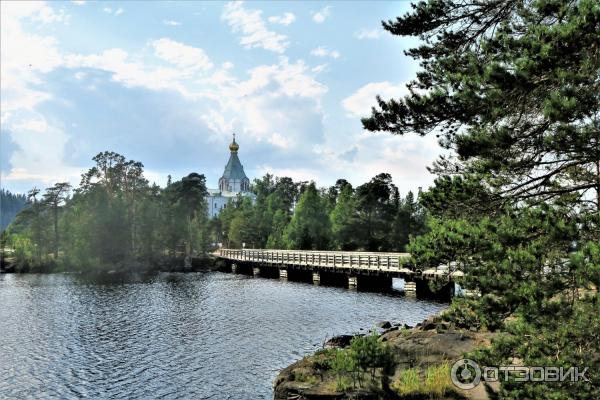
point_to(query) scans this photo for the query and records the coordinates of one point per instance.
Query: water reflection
(199, 335)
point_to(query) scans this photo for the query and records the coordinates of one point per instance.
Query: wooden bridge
(368, 268)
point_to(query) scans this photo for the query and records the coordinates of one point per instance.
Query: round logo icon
(465, 374)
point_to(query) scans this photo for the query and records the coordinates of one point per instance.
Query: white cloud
(279, 140)
(320, 68)
(217, 122)
(368, 33)
(40, 155)
(291, 80)
(117, 12)
(321, 15)
(360, 102)
(323, 51)
(131, 72)
(227, 65)
(285, 19)
(404, 157)
(181, 55)
(37, 124)
(171, 22)
(78, 2)
(47, 15)
(253, 29)
(25, 57)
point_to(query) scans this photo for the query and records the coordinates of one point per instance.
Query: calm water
(197, 335)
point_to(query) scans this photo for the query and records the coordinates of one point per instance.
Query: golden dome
(234, 146)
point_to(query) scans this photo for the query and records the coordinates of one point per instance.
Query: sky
(167, 83)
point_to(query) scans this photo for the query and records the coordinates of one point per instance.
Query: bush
(370, 354)
(344, 364)
(365, 354)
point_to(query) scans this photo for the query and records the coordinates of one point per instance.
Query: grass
(436, 381)
(409, 382)
(343, 383)
(304, 376)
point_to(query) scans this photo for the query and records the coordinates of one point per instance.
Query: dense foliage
(113, 219)
(513, 88)
(366, 356)
(290, 215)
(116, 220)
(10, 205)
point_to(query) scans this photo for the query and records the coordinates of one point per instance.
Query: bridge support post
(410, 289)
(352, 282)
(234, 268)
(283, 274)
(256, 271)
(316, 278)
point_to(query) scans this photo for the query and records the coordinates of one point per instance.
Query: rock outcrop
(428, 344)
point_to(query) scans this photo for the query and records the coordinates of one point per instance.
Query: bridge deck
(351, 260)
(378, 262)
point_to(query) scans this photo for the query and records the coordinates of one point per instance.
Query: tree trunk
(55, 231)
(598, 185)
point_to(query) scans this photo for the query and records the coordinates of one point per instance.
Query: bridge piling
(316, 278)
(410, 289)
(255, 271)
(283, 274)
(234, 268)
(352, 282)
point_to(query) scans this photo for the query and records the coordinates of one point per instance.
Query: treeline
(10, 205)
(116, 218)
(298, 215)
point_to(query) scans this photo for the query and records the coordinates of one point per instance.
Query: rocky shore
(433, 345)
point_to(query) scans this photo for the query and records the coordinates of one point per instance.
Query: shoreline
(419, 349)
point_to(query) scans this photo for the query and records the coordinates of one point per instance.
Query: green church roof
(234, 168)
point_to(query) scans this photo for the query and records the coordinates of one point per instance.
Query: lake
(197, 335)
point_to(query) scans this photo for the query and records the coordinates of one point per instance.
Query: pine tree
(309, 227)
(513, 88)
(344, 220)
(53, 198)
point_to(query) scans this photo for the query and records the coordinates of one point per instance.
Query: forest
(116, 219)
(10, 205)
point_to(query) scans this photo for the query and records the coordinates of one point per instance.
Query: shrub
(342, 365)
(370, 354)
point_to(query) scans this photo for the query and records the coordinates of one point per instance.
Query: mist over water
(195, 335)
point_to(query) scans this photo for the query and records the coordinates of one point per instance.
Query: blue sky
(167, 84)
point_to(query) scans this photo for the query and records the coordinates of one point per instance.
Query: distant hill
(10, 205)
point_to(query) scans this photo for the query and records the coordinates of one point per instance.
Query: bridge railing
(327, 259)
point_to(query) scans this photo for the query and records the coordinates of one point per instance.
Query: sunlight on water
(198, 335)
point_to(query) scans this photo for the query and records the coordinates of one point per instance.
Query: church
(233, 183)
